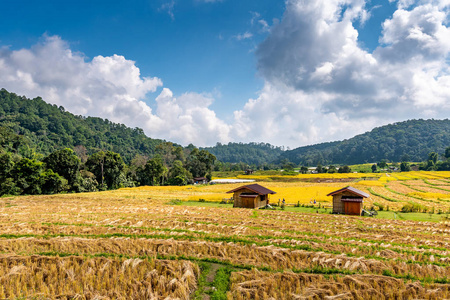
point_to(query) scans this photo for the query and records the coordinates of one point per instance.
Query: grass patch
(204, 270)
(221, 284)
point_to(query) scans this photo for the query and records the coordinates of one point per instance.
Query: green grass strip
(221, 283)
(382, 196)
(201, 283)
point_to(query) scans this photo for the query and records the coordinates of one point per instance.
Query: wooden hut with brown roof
(251, 196)
(348, 201)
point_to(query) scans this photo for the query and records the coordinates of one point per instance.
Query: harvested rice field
(140, 243)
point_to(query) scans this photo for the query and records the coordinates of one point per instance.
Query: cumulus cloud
(320, 85)
(108, 87)
(187, 118)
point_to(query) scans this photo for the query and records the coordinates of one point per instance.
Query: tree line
(66, 171)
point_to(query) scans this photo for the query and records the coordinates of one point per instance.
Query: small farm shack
(249, 172)
(200, 180)
(348, 201)
(251, 196)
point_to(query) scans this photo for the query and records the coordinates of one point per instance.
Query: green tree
(382, 164)
(321, 169)
(200, 162)
(152, 172)
(86, 182)
(304, 170)
(374, 168)
(178, 175)
(52, 183)
(287, 165)
(64, 162)
(27, 176)
(6, 163)
(432, 161)
(107, 168)
(331, 169)
(344, 169)
(433, 157)
(447, 153)
(405, 167)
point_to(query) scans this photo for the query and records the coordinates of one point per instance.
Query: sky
(290, 73)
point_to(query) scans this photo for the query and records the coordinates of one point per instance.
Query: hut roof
(260, 190)
(351, 190)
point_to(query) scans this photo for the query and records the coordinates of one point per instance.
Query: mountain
(251, 153)
(44, 128)
(34, 125)
(411, 140)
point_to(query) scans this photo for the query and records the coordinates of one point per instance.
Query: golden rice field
(134, 244)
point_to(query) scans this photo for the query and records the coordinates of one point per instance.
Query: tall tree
(200, 162)
(447, 153)
(64, 162)
(108, 168)
(178, 175)
(27, 176)
(152, 172)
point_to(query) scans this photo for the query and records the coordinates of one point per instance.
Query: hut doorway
(352, 208)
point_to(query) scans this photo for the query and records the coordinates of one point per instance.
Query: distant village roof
(199, 178)
(260, 190)
(351, 190)
(231, 181)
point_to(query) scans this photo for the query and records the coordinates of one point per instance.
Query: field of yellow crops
(139, 243)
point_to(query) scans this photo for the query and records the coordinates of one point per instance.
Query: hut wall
(259, 201)
(338, 205)
(237, 199)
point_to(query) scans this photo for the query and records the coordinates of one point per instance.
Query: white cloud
(168, 7)
(189, 120)
(320, 85)
(243, 36)
(108, 87)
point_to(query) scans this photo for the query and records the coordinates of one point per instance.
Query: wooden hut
(348, 201)
(251, 196)
(200, 180)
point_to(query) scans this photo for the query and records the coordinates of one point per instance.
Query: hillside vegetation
(251, 153)
(34, 125)
(46, 150)
(45, 128)
(411, 140)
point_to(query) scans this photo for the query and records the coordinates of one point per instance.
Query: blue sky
(191, 45)
(291, 73)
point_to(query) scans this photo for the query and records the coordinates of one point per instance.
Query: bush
(412, 207)
(379, 205)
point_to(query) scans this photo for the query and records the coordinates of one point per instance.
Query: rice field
(136, 243)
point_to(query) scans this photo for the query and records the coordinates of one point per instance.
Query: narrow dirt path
(210, 278)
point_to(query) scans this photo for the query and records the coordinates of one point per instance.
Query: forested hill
(38, 126)
(34, 125)
(411, 140)
(251, 153)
